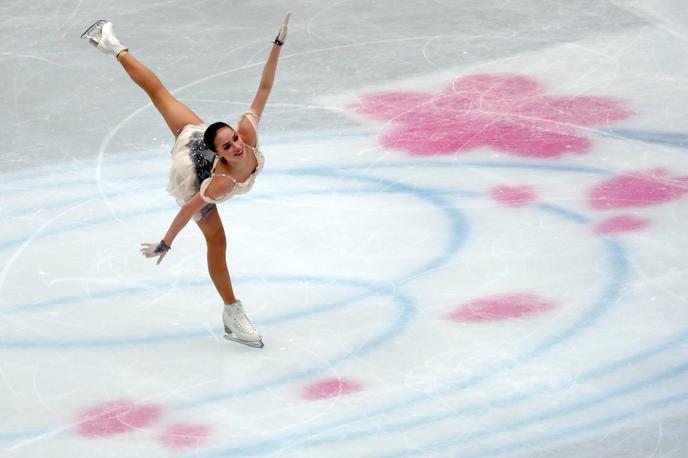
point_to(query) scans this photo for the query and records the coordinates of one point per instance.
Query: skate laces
(239, 317)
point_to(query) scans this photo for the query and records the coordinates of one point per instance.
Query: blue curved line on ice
(387, 182)
(457, 236)
(546, 416)
(22, 435)
(619, 268)
(157, 154)
(372, 290)
(675, 139)
(406, 306)
(652, 406)
(480, 408)
(401, 321)
(155, 181)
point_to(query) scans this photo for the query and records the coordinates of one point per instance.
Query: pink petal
(330, 388)
(494, 88)
(645, 188)
(116, 417)
(621, 224)
(513, 196)
(501, 307)
(531, 141)
(184, 435)
(579, 111)
(391, 105)
(430, 139)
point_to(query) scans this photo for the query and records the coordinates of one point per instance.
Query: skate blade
(94, 30)
(248, 343)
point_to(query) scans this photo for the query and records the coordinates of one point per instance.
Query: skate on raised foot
(238, 328)
(102, 35)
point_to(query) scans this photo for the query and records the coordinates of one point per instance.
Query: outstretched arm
(209, 188)
(268, 77)
(184, 215)
(159, 250)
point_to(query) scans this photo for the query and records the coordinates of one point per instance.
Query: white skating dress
(193, 166)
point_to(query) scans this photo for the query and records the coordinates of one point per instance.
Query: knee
(158, 94)
(216, 240)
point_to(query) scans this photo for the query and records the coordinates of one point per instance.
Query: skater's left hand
(151, 250)
(282, 34)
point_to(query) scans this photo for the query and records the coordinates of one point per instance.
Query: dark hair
(211, 132)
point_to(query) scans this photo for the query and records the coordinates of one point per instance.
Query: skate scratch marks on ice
(64, 28)
(30, 239)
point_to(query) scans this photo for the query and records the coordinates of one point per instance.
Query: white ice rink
(469, 239)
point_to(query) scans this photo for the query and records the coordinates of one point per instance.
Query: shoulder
(248, 127)
(217, 188)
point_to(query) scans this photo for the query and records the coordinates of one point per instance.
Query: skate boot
(102, 36)
(238, 327)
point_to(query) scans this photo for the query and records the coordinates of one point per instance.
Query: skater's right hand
(151, 250)
(282, 33)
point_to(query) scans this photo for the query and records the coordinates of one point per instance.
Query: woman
(210, 164)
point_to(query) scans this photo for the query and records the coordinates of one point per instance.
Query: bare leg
(176, 114)
(216, 243)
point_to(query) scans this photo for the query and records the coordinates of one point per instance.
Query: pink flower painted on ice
(511, 113)
(638, 189)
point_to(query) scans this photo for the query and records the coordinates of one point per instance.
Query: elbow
(187, 210)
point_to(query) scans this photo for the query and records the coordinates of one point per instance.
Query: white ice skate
(102, 36)
(238, 327)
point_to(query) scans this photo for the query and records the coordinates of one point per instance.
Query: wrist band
(162, 247)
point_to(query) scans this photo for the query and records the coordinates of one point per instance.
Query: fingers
(153, 250)
(147, 250)
(282, 33)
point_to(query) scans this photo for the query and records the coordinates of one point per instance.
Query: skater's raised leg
(176, 114)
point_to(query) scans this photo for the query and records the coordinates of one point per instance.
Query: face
(229, 145)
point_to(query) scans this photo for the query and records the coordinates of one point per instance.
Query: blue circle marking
(433, 197)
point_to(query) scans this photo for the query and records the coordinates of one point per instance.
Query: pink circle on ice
(501, 307)
(331, 388)
(116, 417)
(639, 189)
(619, 224)
(184, 435)
(513, 196)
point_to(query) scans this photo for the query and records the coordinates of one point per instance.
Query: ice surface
(468, 240)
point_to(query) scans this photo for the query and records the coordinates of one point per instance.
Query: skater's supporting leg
(176, 114)
(216, 242)
(237, 325)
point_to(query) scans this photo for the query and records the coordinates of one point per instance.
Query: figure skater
(210, 164)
